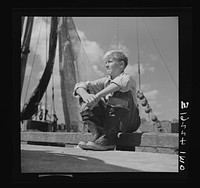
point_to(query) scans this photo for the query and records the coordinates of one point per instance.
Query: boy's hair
(118, 55)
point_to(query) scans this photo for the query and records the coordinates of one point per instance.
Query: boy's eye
(110, 61)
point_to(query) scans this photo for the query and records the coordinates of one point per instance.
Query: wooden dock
(57, 152)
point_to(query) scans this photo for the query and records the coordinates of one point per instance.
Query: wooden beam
(162, 140)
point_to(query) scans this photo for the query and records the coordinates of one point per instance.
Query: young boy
(109, 105)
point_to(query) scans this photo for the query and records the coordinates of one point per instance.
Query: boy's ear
(122, 63)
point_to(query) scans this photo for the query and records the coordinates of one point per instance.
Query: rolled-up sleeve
(78, 85)
(125, 82)
(93, 86)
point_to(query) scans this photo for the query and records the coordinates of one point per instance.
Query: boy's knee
(130, 126)
(119, 112)
(85, 113)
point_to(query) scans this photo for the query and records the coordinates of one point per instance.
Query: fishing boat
(32, 111)
(73, 63)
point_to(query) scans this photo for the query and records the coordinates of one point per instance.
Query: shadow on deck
(47, 162)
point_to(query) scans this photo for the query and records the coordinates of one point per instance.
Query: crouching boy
(109, 105)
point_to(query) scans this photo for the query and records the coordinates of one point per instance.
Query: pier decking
(136, 152)
(49, 159)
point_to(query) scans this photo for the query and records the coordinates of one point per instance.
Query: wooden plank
(55, 137)
(168, 140)
(156, 150)
(164, 140)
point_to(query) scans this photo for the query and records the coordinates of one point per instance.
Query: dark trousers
(104, 116)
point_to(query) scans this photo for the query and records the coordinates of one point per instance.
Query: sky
(158, 54)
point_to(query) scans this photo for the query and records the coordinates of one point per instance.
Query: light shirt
(125, 82)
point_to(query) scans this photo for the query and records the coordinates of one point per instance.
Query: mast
(25, 47)
(31, 106)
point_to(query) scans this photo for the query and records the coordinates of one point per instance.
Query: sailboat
(73, 63)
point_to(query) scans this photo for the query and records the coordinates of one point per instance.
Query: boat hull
(41, 126)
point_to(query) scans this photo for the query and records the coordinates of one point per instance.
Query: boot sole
(85, 146)
(96, 147)
(82, 145)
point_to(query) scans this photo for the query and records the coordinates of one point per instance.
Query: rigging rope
(33, 63)
(53, 99)
(52, 83)
(138, 50)
(117, 33)
(140, 95)
(46, 58)
(160, 53)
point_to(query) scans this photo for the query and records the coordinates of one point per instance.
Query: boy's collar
(109, 77)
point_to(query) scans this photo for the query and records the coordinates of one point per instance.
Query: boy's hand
(88, 98)
(93, 101)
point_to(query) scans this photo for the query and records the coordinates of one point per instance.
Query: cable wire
(138, 50)
(117, 33)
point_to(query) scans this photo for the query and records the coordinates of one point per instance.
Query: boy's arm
(95, 86)
(109, 89)
(80, 90)
(92, 99)
(87, 98)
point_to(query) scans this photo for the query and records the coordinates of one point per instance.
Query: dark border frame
(185, 84)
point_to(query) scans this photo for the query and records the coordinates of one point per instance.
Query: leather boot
(94, 119)
(108, 140)
(96, 132)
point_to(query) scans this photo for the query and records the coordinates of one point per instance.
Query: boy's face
(114, 67)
